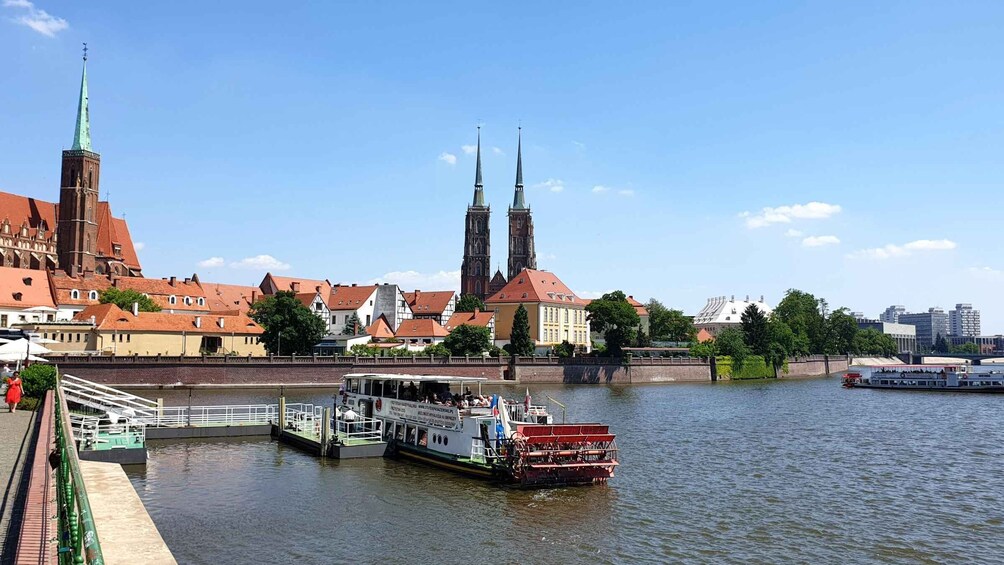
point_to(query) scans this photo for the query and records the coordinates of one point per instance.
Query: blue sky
(673, 150)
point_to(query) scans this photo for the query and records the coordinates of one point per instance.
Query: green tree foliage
(613, 315)
(38, 378)
(353, 326)
(519, 339)
(468, 340)
(642, 339)
(966, 348)
(755, 331)
(564, 349)
(941, 344)
(838, 333)
(124, 299)
(669, 325)
(704, 349)
(802, 313)
(780, 344)
(282, 312)
(496, 351)
(469, 302)
(364, 350)
(729, 341)
(873, 342)
(436, 350)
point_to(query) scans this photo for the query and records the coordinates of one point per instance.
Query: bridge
(973, 358)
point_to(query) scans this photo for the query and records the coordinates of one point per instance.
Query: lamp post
(278, 349)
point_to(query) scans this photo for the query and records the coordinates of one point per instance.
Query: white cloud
(600, 188)
(820, 240)
(554, 185)
(497, 151)
(785, 214)
(38, 20)
(591, 294)
(411, 280)
(891, 251)
(793, 233)
(259, 263)
(579, 144)
(448, 158)
(626, 192)
(469, 149)
(212, 262)
(987, 273)
(139, 245)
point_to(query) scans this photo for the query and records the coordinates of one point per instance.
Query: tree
(730, 342)
(436, 350)
(642, 339)
(704, 349)
(38, 378)
(468, 340)
(519, 339)
(755, 331)
(873, 342)
(966, 348)
(669, 325)
(839, 332)
(364, 350)
(353, 326)
(290, 327)
(564, 349)
(780, 343)
(124, 299)
(614, 315)
(468, 303)
(802, 313)
(941, 345)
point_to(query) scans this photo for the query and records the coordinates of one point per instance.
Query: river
(765, 472)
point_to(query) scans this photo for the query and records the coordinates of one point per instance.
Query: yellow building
(114, 331)
(554, 312)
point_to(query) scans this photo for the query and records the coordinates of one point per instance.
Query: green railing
(78, 538)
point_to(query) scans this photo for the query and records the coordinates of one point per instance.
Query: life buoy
(379, 404)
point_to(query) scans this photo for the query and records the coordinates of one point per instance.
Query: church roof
(82, 132)
(429, 302)
(114, 231)
(535, 286)
(479, 193)
(518, 203)
(17, 209)
(24, 288)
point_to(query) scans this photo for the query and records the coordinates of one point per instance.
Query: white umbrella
(24, 346)
(40, 309)
(15, 357)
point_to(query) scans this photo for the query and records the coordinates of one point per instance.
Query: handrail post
(325, 430)
(282, 414)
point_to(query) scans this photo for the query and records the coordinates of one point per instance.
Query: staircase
(114, 402)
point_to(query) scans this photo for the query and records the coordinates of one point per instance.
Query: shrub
(38, 378)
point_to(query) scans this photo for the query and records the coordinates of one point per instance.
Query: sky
(675, 150)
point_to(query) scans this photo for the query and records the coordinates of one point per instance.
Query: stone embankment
(163, 371)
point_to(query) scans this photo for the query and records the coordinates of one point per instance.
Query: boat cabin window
(423, 437)
(390, 389)
(366, 386)
(411, 434)
(377, 388)
(399, 432)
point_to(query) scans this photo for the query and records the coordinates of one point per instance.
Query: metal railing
(78, 538)
(481, 453)
(304, 418)
(90, 433)
(224, 415)
(360, 429)
(106, 398)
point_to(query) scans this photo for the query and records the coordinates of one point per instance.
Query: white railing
(360, 429)
(224, 415)
(106, 398)
(480, 452)
(304, 418)
(90, 433)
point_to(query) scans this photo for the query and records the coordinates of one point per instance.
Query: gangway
(106, 399)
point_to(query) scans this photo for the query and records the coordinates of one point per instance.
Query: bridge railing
(78, 538)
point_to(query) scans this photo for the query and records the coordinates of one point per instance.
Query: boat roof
(415, 378)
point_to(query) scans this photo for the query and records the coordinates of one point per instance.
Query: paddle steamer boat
(945, 378)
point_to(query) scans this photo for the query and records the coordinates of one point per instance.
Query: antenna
(85, 51)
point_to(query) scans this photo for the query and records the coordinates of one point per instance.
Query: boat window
(411, 434)
(377, 388)
(446, 440)
(354, 385)
(423, 437)
(366, 386)
(399, 432)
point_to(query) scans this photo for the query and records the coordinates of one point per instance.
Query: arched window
(477, 268)
(172, 299)
(92, 295)
(74, 294)
(477, 287)
(188, 301)
(479, 226)
(202, 301)
(90, 178)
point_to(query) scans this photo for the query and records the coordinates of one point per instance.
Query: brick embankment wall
(816, 365)
(638, 371)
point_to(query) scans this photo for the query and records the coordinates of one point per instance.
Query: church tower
(474, 272)
(78, 195)
(521, 252)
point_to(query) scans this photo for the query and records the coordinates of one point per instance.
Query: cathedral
(475, 271)
(78, 235)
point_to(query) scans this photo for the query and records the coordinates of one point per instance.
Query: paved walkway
(14, 447)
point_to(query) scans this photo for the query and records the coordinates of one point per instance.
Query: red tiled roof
(380, 329)
(349, 297)
(17, 209)
(421, 328)
(161, 290)
(481, 319)
(306, 298)
(111, 317)
(638, 306)
(704, 335)
(429, 302)
(114, 231)
(24, 288)
(535, 286)
(230, 297)
(63, 285)
(272, 284)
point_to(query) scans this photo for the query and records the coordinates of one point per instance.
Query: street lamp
(278, 349)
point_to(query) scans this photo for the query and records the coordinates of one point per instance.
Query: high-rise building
(474, 271)
(521, 252)
(964, 321)
(929, 325)
(892, 313)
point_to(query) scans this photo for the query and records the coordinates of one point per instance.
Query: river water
(790, 471)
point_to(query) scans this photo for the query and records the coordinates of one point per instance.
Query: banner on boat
(431, 414)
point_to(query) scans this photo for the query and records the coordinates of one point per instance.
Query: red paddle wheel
(559, 455)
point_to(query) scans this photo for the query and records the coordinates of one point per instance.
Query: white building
(892, 313)
(722, 312)
(25, 297)
(964, 321)
(368, 302)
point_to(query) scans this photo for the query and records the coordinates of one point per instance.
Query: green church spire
(517, 199)
(82, 134)
(479, 187)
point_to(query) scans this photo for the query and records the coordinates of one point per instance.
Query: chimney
(135, 309)
(220, 322)
(198, 321)
(173, 281)
(254, 296)
(353, 284)
(317, 288)
(476, 311)
(296, 286)
(747, 298)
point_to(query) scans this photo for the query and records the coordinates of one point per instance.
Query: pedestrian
(6, 371)
(13, 392)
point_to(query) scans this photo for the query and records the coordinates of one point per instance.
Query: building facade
(905, 335)
(555, 313)
(929, 326)
(432, 305)
(964, 321)
(722, 312)
(892, 313)
(475, 269)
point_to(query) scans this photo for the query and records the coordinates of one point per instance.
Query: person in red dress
(13, 392)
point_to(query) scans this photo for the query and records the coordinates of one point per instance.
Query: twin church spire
(475, 271)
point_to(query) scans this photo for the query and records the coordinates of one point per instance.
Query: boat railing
(304, 418)
(481, 453)
(223, 415)
(359, 429)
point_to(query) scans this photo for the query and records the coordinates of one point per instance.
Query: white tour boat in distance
(945, 378)
(440, 421)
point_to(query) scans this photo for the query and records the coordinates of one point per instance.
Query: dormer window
(17, 296)
(92, 295)
(26, 281)
(117, 249)
(188, 301)
(74, 294)
(202, 301)
(172, 299)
